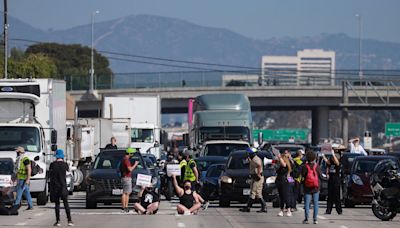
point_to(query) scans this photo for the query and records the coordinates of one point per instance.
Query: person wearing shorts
(126, 169)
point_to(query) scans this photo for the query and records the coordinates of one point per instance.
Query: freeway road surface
(214, 217)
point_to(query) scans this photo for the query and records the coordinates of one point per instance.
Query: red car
(358, 182)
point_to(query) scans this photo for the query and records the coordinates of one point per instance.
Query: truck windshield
(142, 135)
(13, 137)
(223, 149)
(232, 133)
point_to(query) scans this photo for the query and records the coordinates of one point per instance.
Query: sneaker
(305, 221)
(205, 206)
(126, 210)
(29, 208)
(289, 213)
(122, 210)
(315, 222)
(280, 214)
(70, 223)
(57, 223)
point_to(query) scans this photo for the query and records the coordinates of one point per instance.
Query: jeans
(307, 200)
(23, 188)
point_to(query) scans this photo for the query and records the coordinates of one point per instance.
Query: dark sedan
(203, 163)
(209, 183)
(104, 183)
(235, 182)
(358, 181)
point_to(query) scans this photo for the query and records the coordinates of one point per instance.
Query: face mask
(187, 187)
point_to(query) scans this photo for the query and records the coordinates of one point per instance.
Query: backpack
(121, 168)
(35, 168)
(311, 179)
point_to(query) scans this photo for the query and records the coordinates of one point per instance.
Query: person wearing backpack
(126, 169)
(311, 173)
(24, 170)
(58, 186)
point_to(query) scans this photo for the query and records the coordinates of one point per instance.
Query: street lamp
(92, 53)
(360, 73)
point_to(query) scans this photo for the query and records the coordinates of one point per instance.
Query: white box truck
(33, 115)
(144, 113)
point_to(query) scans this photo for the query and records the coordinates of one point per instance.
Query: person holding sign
(189, 200)
(333, 174)
(126, 169)
(149, 200)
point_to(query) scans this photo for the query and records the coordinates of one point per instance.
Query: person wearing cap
(257, 180)
(58, 186)
(148, 200)
(191, 173)
(24, 170)
(356, 148)
(126, 169)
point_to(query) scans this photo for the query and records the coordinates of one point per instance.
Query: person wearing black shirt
(112, 145)
(148, 201)
(58, 186)
(333, 174)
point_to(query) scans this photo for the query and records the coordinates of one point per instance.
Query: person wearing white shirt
(356, 148)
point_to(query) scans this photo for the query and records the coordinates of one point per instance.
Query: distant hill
(177, 39)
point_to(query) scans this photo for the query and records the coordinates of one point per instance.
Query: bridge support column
(320, 124)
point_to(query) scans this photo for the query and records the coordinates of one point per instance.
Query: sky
(258, 19)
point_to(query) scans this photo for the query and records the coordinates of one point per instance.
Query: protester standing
(356, 148)
(257, 181)
(311, 173)
(296, 173)
(113, 144)
(58, 186)
(191, 173)
(333, 174)
(126, 169)
(283, 171)
(24, 171)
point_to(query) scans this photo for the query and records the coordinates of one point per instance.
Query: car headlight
(270, 180)
(226, 179)
(356, 179)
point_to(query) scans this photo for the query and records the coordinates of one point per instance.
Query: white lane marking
(21, 224)
(181, 224)
(343, 226)
(321, 217)
(300, 209)
(38, 214)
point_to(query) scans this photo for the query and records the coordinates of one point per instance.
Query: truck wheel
(91, 204)
(223, 202)
(42, 198)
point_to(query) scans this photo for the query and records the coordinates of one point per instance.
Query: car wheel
(223, 202)
(91, 204)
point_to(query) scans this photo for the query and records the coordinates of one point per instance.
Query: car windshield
(112, 161)
(13, 137)
(214, 171)
(365, 166)
(238, 162)
(6, 167)
(204, 165)
(223, 149)
(142, 135)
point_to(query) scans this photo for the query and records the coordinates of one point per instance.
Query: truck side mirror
(36, 158)
(53, 137)
(260, 138)
(156, 144)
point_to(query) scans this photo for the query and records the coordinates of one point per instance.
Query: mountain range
(170, 38)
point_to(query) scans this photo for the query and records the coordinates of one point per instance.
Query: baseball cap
(59, 154)
(251, 150)
(130, 150)
(20, 149)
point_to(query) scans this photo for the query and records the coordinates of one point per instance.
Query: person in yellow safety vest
(298, 163)
(191, 173)
(182, 166)
(24, 176)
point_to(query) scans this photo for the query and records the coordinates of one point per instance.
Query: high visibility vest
(22, 172)
(182, 163)
(189, 173)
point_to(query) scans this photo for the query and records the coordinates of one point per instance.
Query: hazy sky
(260, 19)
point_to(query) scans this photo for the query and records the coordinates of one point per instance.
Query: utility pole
(91, 83)
(5, 40)
(360, 73)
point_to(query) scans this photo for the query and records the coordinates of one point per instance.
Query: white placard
(173, 169)
(143, 180)
(326, 148)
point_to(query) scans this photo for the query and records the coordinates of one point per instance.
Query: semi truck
(144, 113)
(33, 115)
(219, 117)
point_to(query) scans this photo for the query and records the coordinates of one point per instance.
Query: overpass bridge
(319, 99)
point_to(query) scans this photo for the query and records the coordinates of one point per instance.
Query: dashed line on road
(321, 217)
(181, 225)
(21, 224)
(38, 214)
(343, 226)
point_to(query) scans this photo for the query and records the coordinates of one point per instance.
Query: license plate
(117, 192)
(246, 192)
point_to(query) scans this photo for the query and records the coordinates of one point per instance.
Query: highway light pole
(91, 83)
(5, 40)
(360, 73)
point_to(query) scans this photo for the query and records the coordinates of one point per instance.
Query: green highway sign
(392, 129)
(298, 134)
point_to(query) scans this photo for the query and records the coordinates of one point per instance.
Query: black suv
(104, 183)
(235, 182)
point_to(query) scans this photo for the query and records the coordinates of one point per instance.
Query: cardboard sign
(173, 169)
(143, 180)
(326, 148)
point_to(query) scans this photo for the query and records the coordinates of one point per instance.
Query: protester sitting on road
(148, 201)
(311, 173)
(189, 200)
(24, 170)
(58, 186)
(356, 148)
